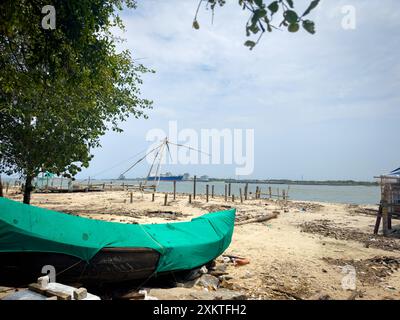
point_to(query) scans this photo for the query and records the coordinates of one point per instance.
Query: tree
(63, 83)
(62, 88)
(262, 16)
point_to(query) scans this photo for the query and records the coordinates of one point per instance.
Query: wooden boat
(94, 251)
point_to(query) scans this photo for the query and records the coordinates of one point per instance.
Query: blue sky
(323, 106)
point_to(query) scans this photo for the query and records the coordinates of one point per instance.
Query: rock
(221, 267)
(208, 281)
(80, 294)
(203, 270)
(43, 282)
(227, 259)
(195, 294)
(321, 296)
(134, 295)
(247, 275)
(226, 294)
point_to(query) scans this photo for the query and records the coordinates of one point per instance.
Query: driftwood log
(259, 219)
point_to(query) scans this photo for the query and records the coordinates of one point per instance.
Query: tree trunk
(1, 188)
(28, 189)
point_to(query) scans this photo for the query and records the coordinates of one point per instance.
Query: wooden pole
(229, 189)
(131, 197)
(174, 189)
(1, 188)
(194, 187)
(212, 191)
(378, 220)
(233, 197)
(152, 197)
(246, 190)
(190, 198)
(165, 199)
(207, 193)
(385, 219)
(241, 195)
(226, 193)
(270, 192)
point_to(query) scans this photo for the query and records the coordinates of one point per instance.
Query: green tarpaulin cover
(182, 245)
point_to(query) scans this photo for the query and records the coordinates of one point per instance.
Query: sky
(323, 106)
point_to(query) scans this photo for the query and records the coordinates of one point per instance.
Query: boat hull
(109, 265)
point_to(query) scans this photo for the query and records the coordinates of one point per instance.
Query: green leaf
(259, 13)
(274, 7)
(259, 3)
(309, 26)
(293, 27)
(196, 25)
(312, 6)
(250, 44)
(254, 28)
(291, 16)
(290, 3)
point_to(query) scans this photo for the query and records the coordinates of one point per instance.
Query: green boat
(91, 250)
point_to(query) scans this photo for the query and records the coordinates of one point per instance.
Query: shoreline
(301, 253)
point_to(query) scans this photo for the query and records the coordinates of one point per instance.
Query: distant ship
(165, 178)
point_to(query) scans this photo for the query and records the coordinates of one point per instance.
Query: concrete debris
(208, 281)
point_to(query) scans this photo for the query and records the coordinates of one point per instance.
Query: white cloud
(290, 82)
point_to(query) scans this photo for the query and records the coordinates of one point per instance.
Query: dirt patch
(370, 271)
(303, 206)
(327, 229)
(167, 215)
(285, 281)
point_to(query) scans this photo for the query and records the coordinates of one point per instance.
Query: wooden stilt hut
(389, 206)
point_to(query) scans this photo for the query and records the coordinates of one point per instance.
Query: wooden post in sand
(174, 189)
(152, 197)
(385, 219)
(194, 187)
(212, 191)
(190, 198)
(270, 192)
(226, 193)
(233, 197)
(229, 189)
(246, 190)
(207, 193)
(165, 199)
(241, 195)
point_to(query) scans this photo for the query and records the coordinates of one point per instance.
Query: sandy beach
(301, 254)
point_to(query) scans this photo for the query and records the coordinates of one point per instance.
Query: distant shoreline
(275, 181)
